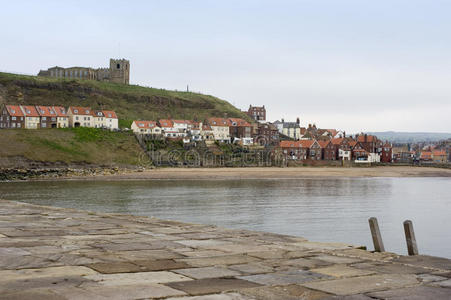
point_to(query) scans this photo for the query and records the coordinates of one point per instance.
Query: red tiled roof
(238, 122)
(439, 152)
(30, 111)
(369, 138)
(60, 111)
(166, 123)
(206, 127)
(333, 132)
(14, 110)
(146, 124)
(337, 141)
(109, 114)
(306, 143)
(45, 111)
(218, 122)
(290, 144)
(352, 143)
(426, 155)
(323, 144)
(77, 110)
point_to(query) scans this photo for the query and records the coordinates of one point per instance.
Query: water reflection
(320, 209)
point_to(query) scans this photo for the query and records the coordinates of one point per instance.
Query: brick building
(258, 113)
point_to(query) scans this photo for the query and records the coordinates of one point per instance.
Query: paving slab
(430, 278)
(305, 263)
(426, 261)
(207, 272)
(445, 283)
(390, 268)
(414, 293)
(227, 296)
(134, 291)
(64, 271)
(342, 271)
(136, 278)
(219, 260)
(147, 254)
(114, 267)
(251, 268)
(160, 265)
(289, 292)
(36, 294)
(41, 282)
(211, 286)
(337, 259)
(285, 277)
(12, 252)
(363, 284)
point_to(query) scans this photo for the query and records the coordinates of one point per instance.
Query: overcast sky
(352, 65)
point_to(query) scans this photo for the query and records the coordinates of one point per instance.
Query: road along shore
(59, 253)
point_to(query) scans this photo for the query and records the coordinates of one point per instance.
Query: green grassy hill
(22, 148)
(129, 101)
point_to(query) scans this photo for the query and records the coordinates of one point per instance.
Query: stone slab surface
(342, 271)
(288, 292)
(210, 286)
(207, 272)
(226, 296)
(285, 277)
(59, 253)
(414, 293)
(364, 284)
(136, 278)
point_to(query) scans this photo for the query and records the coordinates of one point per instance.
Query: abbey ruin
(118, 72)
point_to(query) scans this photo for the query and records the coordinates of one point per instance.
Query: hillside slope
(22, 148)
(129, 101)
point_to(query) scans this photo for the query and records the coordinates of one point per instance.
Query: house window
(118, 66)
(76, 118)
(18, 125)
(13, 118)
(43, 125)
(44, 118)
(76, 111)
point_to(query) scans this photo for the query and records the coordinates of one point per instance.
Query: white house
(80, 116)
(111, 120)
(145, 127)
(220, 128)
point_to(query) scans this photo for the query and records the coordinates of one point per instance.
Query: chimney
(309, 126)
(366, 137)
(298, 121)
(283, 121)
(344, 134)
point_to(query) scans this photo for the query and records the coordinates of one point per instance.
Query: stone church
(118, 72)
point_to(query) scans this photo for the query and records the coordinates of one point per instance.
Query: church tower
(120, 71)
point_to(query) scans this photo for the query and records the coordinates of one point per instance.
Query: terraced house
(12, 117)
(80, 116)
(32, 118)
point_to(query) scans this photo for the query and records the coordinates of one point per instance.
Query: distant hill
(129, 101)
(411, 137)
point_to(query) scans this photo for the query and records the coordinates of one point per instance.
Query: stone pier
(57, 253)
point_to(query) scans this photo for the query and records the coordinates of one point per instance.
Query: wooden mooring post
(412, 248)
(376, 235)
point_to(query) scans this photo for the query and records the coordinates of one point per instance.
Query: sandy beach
(274, 173)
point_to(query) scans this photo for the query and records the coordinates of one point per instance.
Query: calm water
(326, 209)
